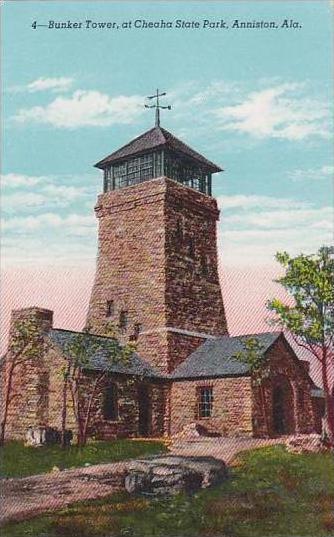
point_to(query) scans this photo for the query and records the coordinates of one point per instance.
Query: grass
(19, 461)
(270, 493)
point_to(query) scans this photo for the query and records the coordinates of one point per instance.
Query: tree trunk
(64, 412)
(6, 403)
(87, 418)
(89, 408)
(329, 398)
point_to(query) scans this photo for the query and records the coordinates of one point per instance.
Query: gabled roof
(157, 137)
(98, 358)
(215, 357)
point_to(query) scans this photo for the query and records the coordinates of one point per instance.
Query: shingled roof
(215, 357)
(98, 359)
(152, 139)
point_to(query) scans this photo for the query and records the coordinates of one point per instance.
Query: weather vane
(157, 106)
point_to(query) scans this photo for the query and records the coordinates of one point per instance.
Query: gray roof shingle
(156, 137)
(98, 359)
(215, 357)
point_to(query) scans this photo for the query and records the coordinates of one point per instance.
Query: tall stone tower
(157, 276)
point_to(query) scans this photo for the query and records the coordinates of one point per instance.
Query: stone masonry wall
(56, 362)
(38, 393)
(131, 258)
(291, 375)
(232, 405)
(193, 295)
(30, 380)
(180, 346)
(157, 261)
(127, 423)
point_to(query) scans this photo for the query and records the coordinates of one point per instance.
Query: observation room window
(140, 168)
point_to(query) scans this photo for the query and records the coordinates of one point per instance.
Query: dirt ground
(23, 498)
(221, 448)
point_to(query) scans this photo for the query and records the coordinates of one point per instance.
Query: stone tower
(157, 276)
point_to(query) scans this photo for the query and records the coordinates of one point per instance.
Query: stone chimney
(42, 316)
(30, 381)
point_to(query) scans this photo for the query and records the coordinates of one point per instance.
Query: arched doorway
(145, 410)
(282, 407)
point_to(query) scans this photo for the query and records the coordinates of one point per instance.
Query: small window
(123, 320)
(137, 327)
(191, 247)
(301, 398)
(179, 230)
(204, 402)
(110, 402)
(204, 265)
(110, 308)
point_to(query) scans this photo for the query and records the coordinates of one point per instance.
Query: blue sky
(257, 102)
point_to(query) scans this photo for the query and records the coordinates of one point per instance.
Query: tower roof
(152, 139)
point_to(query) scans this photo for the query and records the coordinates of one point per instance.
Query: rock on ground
(305, 443)
(194, 430)
(171, 474)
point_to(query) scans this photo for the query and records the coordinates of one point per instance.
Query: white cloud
(15, 180)
(62, 192)
(55, 84)
(282, 111)
(43, 250)
(45, 194)
(259, 246)
(12, 202)
(217, 91)
(284, 218)
(84, 108)
(256, 227)
(312, 174)
(49, 238)
(252, 201)
(72, 223)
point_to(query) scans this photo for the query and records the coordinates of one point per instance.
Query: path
(23, 498)
(220, 448)
(26, 497)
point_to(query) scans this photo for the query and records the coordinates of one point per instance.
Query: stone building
(157, 282)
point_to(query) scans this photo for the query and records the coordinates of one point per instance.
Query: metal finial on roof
(157, 106)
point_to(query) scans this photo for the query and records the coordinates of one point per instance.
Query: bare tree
(83, 386)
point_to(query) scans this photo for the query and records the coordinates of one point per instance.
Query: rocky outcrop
(172, 474)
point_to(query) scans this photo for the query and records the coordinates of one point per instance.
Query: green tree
(83, 386)
(309, 279)
(253, 356)
(27, 343)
